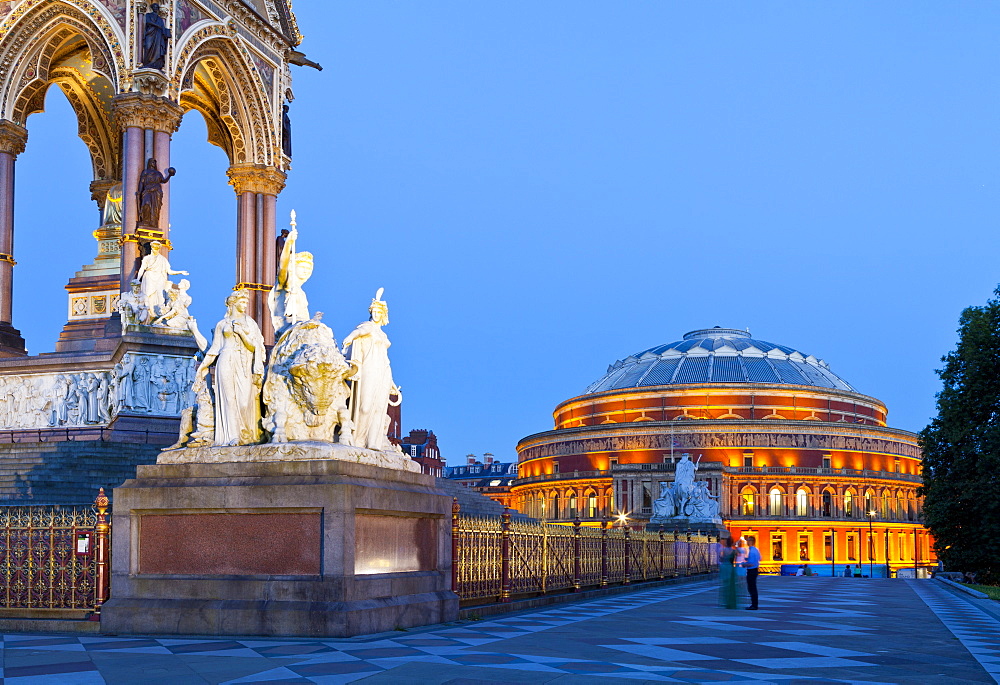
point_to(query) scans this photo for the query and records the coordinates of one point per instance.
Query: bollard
(455, 509)
(505, 556)
(604, 552)
(103, 569)
(628, 561)
(576, 554)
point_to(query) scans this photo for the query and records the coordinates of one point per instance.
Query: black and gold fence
(54, 560)
(495, 559)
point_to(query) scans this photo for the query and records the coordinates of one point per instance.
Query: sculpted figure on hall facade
(686, 498)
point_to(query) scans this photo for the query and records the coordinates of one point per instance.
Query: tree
(961, 448)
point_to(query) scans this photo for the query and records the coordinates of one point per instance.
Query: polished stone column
(12, 141)
(143, 118)
(257, 189)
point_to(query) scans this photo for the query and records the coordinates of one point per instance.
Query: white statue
(153, 274)
(132, 307)
(664, 506)
(704, 506)
(306, 390)
(684, 480)
(373, 384)
(287, 300)
(175, 313)
(237, 361)
(198, 420)
(113, 206)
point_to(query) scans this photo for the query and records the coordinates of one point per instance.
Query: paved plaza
(809, 630)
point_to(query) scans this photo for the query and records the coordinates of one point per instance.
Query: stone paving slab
(809, 630)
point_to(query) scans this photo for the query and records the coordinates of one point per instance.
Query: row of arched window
(888, 505)
(568, 504)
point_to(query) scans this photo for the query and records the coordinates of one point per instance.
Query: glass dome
(718, 355)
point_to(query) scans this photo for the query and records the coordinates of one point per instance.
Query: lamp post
(871, 543)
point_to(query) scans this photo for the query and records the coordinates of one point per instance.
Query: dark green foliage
(961, 449)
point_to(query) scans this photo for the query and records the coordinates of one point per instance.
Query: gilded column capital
(141, 110)
(13, 137)
(256, 178)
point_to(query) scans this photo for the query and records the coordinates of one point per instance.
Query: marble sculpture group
(311, 391)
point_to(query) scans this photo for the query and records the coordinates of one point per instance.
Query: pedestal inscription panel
(243, 544)
(393, 544)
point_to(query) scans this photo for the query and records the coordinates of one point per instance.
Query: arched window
(801, 503)
(572, 506)
(775, 508)
(553, 512)
(592, 506)
(869, 504)
(747, 502)
(849, 504)
(827, 504)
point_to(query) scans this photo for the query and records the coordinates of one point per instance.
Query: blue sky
(544, 188)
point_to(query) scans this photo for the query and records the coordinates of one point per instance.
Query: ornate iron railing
(54, 559)
(495, 559)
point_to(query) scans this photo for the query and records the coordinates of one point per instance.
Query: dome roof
(718, 355)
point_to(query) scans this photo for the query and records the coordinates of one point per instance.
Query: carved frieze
(707, 440)
(147, 384)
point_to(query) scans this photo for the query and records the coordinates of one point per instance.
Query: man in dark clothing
(752, 565)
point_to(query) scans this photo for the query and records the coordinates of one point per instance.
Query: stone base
(297, 548)
(289, 451)
(11, 342)
(682, 525)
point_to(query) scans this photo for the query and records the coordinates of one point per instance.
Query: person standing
(727, 574)
(752, 565)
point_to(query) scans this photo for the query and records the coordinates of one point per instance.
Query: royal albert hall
(799, 460)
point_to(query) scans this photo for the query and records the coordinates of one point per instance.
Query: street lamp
(871, 543)
(622, 518)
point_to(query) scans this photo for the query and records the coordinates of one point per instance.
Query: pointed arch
(58, 43)
(217, 78)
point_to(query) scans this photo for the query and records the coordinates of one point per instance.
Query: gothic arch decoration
(57, 43)
(218, 78)
(38, 35)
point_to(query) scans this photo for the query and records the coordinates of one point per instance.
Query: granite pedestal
(298, 548)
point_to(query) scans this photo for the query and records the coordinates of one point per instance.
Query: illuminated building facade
(799, 460)
(488, 477)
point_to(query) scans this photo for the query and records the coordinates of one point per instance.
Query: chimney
(487, 458)
(471, 458)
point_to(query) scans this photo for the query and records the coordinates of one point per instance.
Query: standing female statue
(152, 276)
(149, 195)
(287, 300)
(373, 384)
(237, 354)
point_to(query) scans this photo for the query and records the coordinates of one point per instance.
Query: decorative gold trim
(145, 237)
(138, 110)
(13, 138)
(256, 178)
(263, 287)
